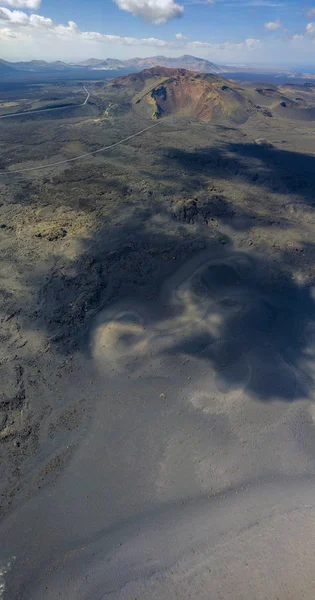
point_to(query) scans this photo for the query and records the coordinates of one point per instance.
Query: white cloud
(18, 17)
(251, 43)
(69, 31)
(42, 38)
(15, 17)
(309, 33)
(201, 44)
(273, 25)
(38, 21)
(310, 30)
(152, 11)
(36, 25)
(30, 4)
(310, 12)
(180, 36)
(126, 41)
(6, 33)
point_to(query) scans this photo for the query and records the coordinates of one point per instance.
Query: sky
(270, 32)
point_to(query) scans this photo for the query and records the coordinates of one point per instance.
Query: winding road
(40, 110)
(68, 160)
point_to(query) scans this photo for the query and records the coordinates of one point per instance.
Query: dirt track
(157, 362)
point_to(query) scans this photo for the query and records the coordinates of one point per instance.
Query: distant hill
(101, 68)
(160, 91)
(191, 63)
(6, 68)
(34, 66)
(108, 63)
(91, 62)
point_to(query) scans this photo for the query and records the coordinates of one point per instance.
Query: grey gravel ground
(157, 361)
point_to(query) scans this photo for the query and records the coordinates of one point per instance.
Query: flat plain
(157, 344)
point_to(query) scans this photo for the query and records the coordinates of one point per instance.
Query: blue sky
(225, 31)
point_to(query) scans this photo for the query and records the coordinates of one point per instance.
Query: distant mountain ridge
(5, 67)
(33, 65)
(191, 63)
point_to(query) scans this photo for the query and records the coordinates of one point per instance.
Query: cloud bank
(21, 25)
(28, 35)
(30, 4)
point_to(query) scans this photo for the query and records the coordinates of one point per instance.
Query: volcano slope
(160, 92)
(163, 92)
(157, 350)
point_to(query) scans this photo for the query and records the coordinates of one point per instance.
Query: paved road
(40, 110)
(88, 95)
(63, 162)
